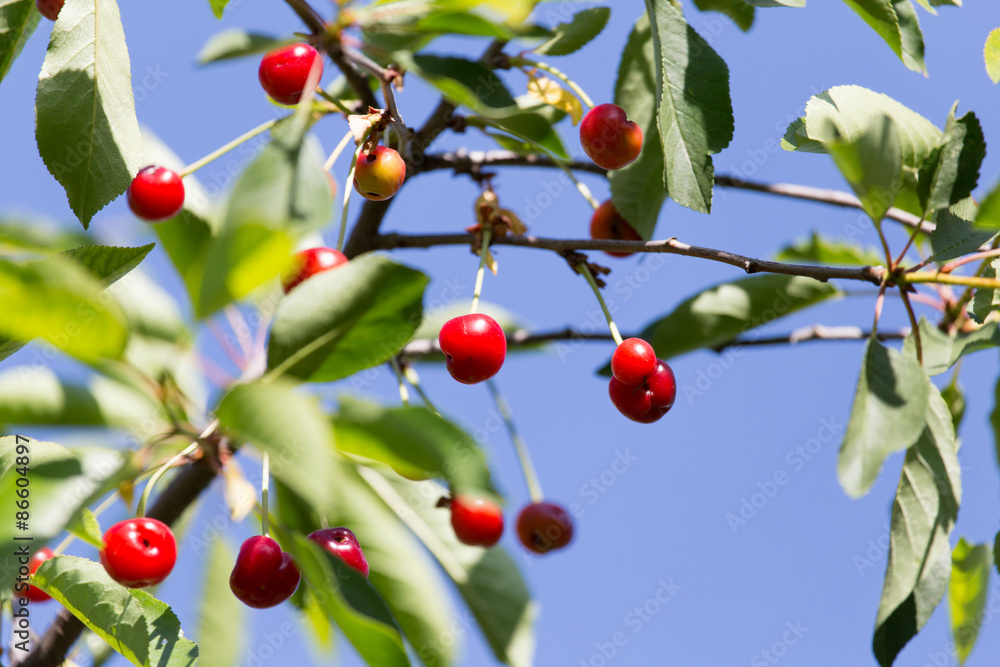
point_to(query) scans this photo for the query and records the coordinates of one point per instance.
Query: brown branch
(53, 647)
(467, 162)
(871, 274)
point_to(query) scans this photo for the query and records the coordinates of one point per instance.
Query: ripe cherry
(156, 193)
(647, 402)
(34, 593)
(544, 527)
(477, 521)
(308, 263)
(633, 361)
(342, 543)
(608, 224)
(379, 174)
(609, 138)
(475, 347)
(284, 72)
(139, 552)
(264, 575)
(50, 10)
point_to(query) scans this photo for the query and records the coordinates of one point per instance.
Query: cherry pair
(643, 387)
(541, 527)
(265, 576)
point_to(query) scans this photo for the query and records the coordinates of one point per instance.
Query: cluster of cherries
(642, 387)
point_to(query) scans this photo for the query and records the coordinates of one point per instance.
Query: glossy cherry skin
(284, 72)
(156, 193)
(379, 174)
(308, 263)
(342, 543)
(139, 552)
(608, 225)
(33, 593)
(544, 527)
(264, 575)
(475, 347)
(649, 401)
(633, 361)
(609, 138)
(50, 10)
(476, 521)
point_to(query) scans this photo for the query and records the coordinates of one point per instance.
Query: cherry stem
(337, 151)
(585, 270)
(68, 540)
(334, 101)
(195, 166)
(520, 60)
(187, 451)
(520, 446)
(484, 250)
(404, 394)
(348, 186)
(264, 484)
(411, 376)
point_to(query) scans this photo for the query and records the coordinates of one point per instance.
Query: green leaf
(340, 322)
(141, 628)
(414, 441)
(236, 43)
(776, 3)
(739, 11)
(987, 300)
(349, 601)
(721, 313)
(186, 238)
(967, 592)
(529, 125)
(923, 515)
(896, 22)
(222, 617)
(487, 579)
(988, 215)
(465, 83)
(60, 302)
(637, 189)
(995, 423)
(18, 20)
(955, 234)
(695, 113)
(573, 35)
(107, 264)
(872, 163)
(151, 310)
(86, 128)
(218, 6)
(950, 173)
(817, 249)
(942, 350)
(291, 427)
(954, 396)
(991, 55)
(38, 234)
(87, 528)
(887, 416)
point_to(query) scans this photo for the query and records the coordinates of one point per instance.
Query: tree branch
(871, 274)
(53, 647)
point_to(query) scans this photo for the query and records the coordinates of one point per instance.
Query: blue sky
(657, 574)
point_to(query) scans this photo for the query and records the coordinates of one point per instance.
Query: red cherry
(34, 593)
(342, 543)
(139, 552)
(544, 527)
(609, 138)
(379, 175)
(633, 361)
(284, 72)
(649, 401)
(156, 193)
(608, 224)
(50, 10)
(477, 521)
(475, 347)
(308, 263)
(264, 575)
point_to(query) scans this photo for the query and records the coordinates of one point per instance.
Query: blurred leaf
(951, 172)
(941, 349)
(18, 20)
(37, 234)
(967, 592)
(995, 423)
(872, 163)
(991, 55)
(218, 6)
(739, 11)
(954, 396)
(988, 215)
(222, 617)
(888, 415)
(186, 238)
(291, 427)
(150, 309)
(236, 43)
(86, 527)
(414, 441)
(107, 264)
(340, 322)
(923, 515)
(137, 625)
(817, 249)
(896, 22)
(987, 300)
(776, 3)
(955, 234)
(82, 105)
(573, 35)
(465, 83)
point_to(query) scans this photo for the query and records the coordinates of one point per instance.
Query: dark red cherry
(544, 527)
(342, 543)
(264, 575)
